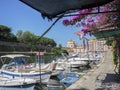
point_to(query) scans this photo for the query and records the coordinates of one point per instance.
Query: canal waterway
(54, 83)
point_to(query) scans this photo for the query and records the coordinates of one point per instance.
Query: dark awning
(106, 33)
(107, 30)
(52, 8)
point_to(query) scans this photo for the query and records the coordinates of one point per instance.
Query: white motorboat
(74, 63)
(18, 67)
(77, 63)
(71, 62)
(87, 57)
(20, 83)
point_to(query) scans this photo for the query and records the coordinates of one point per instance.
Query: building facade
(71, 44)
(93, 45)
(97, 45)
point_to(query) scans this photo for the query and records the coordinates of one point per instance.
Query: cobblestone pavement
(101, 77)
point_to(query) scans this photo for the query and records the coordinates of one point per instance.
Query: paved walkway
(101, 77)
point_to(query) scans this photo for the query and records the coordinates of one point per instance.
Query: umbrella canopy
(52, 8)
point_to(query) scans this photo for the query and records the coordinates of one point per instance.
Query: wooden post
(117, 46)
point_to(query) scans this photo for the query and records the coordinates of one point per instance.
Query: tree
(4, 29)
(58, 50)
(46, 42)
(19, 35)
(33, 41)
(28, 36)
(6, 35)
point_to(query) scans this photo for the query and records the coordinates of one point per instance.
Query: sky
(19, 16)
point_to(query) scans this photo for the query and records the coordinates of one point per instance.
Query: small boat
(68, 78)
(18, 67)
(19, 83)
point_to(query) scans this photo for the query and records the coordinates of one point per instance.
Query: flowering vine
(87, 21)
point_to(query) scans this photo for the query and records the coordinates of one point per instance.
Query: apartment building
(93, 45)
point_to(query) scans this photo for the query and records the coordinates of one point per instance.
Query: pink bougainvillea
(87, 21)
(65, 22)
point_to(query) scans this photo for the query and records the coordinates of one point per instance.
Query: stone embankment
(20, 47)
(13, 46)
(101, 77)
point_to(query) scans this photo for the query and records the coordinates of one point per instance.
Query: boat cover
(69, 80)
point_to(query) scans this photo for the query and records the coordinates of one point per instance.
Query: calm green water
(46, 59)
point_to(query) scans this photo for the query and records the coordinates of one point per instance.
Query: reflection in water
(54, 83)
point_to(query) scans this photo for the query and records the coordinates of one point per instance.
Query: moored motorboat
(68, 78)
(71, 62)
(19, 82)
(18, 68)
(7, 83)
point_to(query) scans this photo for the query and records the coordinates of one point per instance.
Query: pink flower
(75, 17)
(85, 29)
(101, 19)
(83, 11)
(82, 24)
(91, 24)
(78, 32)
(104, 9)
(66, 22)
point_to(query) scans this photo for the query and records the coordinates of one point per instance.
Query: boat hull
(39, 76)
(7, 83)
(78, 63)
(22, 87)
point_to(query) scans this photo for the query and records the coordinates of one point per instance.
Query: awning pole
(117, 48)
(40, 39)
